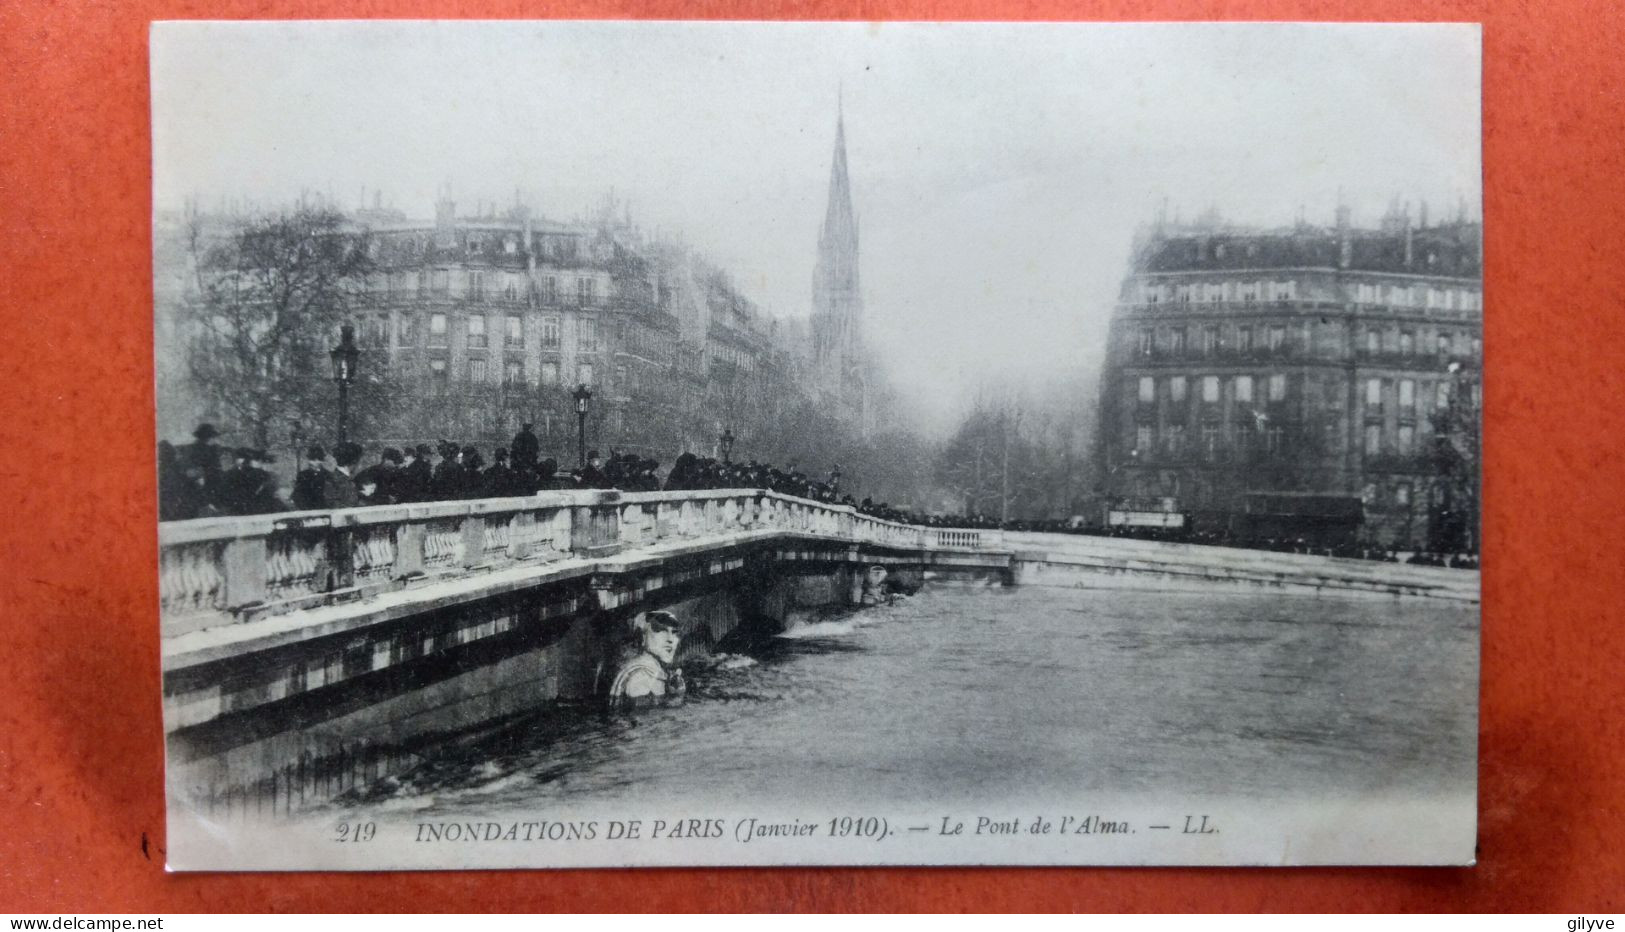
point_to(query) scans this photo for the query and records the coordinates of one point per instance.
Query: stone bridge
(305, 653)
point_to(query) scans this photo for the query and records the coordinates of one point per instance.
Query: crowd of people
(204, 479)
(195, 481)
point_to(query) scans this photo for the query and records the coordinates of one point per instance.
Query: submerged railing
(215, 570)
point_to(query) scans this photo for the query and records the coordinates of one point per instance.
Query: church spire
(839, 222)
(837, 309)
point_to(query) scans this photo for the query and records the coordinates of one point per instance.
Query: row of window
(477, 283)
(1405, 343)
(1233, 292)
(375, 331)
(1243, 390)
(1216, 441)
(513, 372)
(479, 371)
(1212, 338)
(1244, 338)
(1377, 389)
(1451, 299)
(732, 355)
(1201, 493)
(1254, 291)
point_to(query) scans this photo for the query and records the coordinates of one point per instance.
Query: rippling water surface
(965, 694)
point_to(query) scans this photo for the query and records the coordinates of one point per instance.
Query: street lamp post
(1105, 487)
(344, 358)
(296, 436)
(727, 443)
(835, 479)
(582, 395)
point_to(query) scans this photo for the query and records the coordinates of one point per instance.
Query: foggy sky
(999, 171)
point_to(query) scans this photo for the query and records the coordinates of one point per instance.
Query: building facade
(494, 319)
(475, 322)
(1248, 370)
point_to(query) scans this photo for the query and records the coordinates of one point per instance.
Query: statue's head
(661, 632)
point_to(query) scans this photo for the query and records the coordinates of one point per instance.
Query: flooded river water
(968, 693)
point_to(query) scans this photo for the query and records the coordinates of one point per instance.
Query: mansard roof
(1446, 250)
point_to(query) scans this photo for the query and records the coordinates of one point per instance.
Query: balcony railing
(1395, 359)
(1262, 306)
(1227, 354)
(1411, 463)
(217, 571)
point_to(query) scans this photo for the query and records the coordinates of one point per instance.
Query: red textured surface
(80, 738)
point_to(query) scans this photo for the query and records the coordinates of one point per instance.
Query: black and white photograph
(740, 443)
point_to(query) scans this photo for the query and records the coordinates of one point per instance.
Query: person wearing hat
(499, 481)
(340, 491)
(473, 466)
(381, 477)
(204, 456)
(646, 478)
(648, 674)
(448, 473)
(526, 448)
(174, 497)
(413, 479)
(183, 490)
(248, 488)
(547, 479)
(591, 476)
(310, 485)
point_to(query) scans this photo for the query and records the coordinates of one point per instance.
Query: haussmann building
(1307, 383)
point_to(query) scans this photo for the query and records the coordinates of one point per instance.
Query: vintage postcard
(590, 443)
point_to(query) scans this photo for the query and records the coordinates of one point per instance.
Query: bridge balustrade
(220, 570)
(965, 539)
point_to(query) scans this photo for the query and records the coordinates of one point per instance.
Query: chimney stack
(1345, 245)
(445, 220)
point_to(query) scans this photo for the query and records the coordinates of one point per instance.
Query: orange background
(80, 736)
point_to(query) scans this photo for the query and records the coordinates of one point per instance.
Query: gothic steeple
(837, 302)
(840, 226)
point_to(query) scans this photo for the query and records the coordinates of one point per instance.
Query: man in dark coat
(448, 473)
(413, 479)
(499, 480)
(526, 448)
(203, 455)
(591, 476)
(647, 478)
(682, 473)
(547, 477)
(341, 491)
(310, 485)
(473, 466)
(369, 487)
(248, 488)
(174, 493)
(381, 476)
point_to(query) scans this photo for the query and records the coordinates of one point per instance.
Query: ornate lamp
(345, 356)
(583, 397)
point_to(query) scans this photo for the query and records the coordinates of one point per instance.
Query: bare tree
(1454, 459)
(269, 296)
